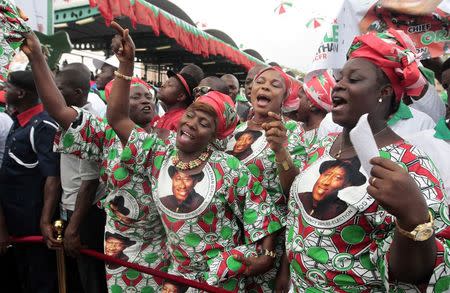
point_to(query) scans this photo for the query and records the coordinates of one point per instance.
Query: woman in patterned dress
(381, 239)
(251, 144)
(314, 104)
(133, 226)
(205, 242)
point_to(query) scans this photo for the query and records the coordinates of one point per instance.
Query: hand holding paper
(364, 143)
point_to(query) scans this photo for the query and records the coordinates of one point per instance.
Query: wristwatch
(422, 232)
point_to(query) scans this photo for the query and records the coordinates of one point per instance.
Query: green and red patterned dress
(341, 243)
(259, 158)
(205, 230)
(133, 231)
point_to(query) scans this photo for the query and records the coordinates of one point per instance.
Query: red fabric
(139, 268)
(293, 101)
(224, 107)
(183, 33)
(26, 116)
(2, 97)
(170, 120)
(134, 80)
(398, 60)
(318, 90)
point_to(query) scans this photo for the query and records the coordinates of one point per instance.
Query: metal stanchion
(60, 262)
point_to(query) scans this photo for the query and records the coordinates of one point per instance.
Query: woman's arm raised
(117, 112)
(48, 92)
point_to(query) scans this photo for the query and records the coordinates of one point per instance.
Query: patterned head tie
(225, 110)
(395, 54)
(289, 100)
(134, 82)
(318, 90)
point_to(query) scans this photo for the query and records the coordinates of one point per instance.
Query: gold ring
(372, 182)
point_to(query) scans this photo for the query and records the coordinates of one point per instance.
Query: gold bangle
(284, 164)
(120, 75)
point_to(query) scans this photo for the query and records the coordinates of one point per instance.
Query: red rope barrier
(142, 269)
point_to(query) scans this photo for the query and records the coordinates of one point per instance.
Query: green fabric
(102, 95)
(444, 96)
(240, 98)
(403, 112)
(56, 45)
(442, 131)
(428, 74)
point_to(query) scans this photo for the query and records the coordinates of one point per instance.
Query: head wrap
(288, 99)
(395, 54)
(292, 102)
(224, 107)
(134, 82)
(318, 90)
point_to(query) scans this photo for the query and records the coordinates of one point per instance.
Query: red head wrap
(224, 107)
(134, 81)
(289, 100)
(318, 90)
(394, 52)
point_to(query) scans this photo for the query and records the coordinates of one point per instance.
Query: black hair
(24, 80)
(76, 79)
(196, 177)
(352, 173)
(446, 65)
(216, 84)
(254, 133)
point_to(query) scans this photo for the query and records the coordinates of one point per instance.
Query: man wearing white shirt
(5, 126)
(404, 122)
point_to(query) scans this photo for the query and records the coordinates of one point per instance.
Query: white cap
(113, 61)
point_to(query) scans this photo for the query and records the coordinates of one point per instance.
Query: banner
(40, 13)
(430, 33)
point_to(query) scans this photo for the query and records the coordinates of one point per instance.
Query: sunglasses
(201, 90)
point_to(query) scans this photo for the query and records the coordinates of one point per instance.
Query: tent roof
(160, 37)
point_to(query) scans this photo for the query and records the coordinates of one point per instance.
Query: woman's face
(142, 109)
(356, 92)
(329, 182)
(304, 109)
(196, 129)
(268, 92)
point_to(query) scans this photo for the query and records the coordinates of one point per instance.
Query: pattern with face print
(349, 250)
(130, 209)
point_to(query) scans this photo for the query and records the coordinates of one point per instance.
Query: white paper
(364, 143)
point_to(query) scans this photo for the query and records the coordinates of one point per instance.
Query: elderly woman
(391, 234)
(251, 143)
(130, 210)
(205, 242)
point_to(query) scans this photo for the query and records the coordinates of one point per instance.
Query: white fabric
(430, 104)
(5, 125)
(437, 149)
(97, 104)
(74, 171)
(404, 127)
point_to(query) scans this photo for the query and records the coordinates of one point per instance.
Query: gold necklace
(179, 164)
(338, 155)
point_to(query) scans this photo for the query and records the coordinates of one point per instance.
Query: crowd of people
(262, 193)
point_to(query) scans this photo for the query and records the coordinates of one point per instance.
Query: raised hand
(397, 192)
(276, 135)
(122, 44)
(31, 45)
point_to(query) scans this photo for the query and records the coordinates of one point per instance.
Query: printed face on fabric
(330, 242)
(247, 143)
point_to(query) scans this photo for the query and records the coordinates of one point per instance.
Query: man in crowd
(30, 173)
